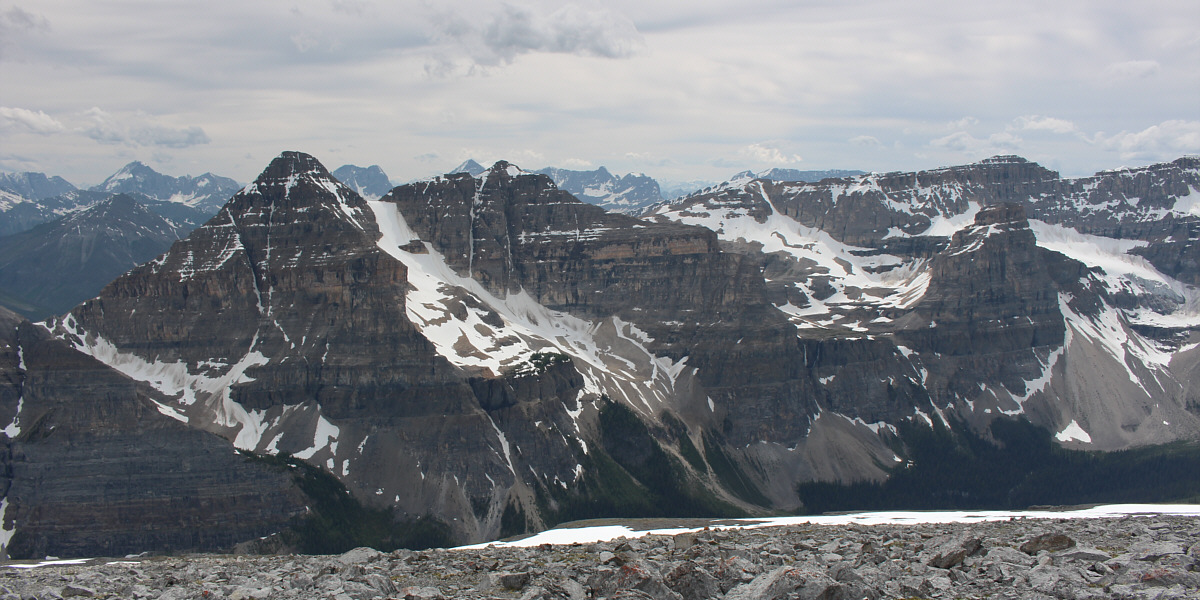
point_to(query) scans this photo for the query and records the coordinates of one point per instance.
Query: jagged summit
(290, 164)
(205, 193)
(630, 194)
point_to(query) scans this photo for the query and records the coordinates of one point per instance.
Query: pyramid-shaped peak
(135, 166)
(291, 164)
(469, 166)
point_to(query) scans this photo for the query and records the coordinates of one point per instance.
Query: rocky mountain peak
(136, 171)
(298, 182)
(1006, 213)
(291, 164)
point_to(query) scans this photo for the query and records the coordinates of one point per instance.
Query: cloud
(109, 129)
(1166, 140)
(14, 23)
(961, 141)
(513, 30)
(1051, 124)
(36, 122)
(577, 163)
(768, 155)
(962, 123)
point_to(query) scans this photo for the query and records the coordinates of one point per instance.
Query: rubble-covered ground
(1130, 557)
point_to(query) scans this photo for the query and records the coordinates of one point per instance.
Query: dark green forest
(1021, 468)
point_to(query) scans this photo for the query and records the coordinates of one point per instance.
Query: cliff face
(514, 231)
(94, 467)
(925, 296)
(491, 352)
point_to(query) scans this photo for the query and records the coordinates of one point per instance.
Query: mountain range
(483, 354)
(59, 245)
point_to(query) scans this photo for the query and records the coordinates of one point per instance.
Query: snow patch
(1073, 432)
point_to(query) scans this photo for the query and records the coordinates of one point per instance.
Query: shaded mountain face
(34, 186)
(29, 199)
(92, 466)
(491, 352)
(370, 182)
(628, 194)
(51, 268)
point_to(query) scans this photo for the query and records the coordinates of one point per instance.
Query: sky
(682, 91)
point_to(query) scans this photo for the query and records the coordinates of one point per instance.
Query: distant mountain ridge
(54, 266)
(34, 186)
(370, 182)
(206, 193)
(630, 193)
(779, 174)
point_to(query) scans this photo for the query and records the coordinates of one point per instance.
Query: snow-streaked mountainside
(493, 353)
(630, 193)
(28, 186)
(861, 257)
(206, 192)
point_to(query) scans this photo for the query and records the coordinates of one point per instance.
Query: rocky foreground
(1132, 557)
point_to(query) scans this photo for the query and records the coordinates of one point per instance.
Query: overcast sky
(678, 90)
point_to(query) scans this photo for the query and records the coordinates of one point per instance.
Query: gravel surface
(1132, 557)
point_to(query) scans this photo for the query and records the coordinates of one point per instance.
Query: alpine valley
(482, 354)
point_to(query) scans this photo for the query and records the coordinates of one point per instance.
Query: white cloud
(577, 163)
(1051, 124)
(36, 122)
(1164, 141)
(961, 141)
(764, 154)
(138, 131)
(962, 123)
